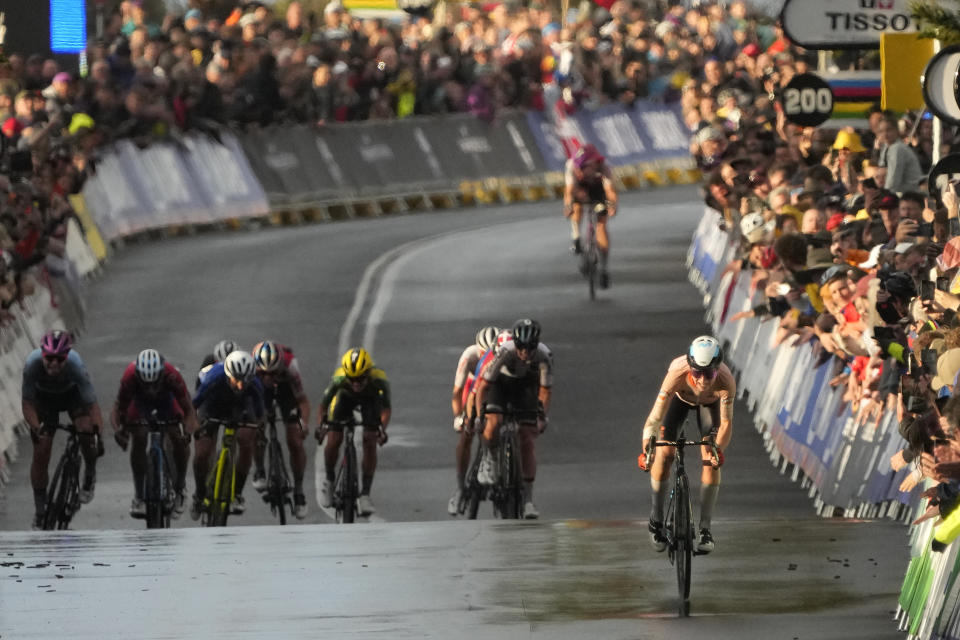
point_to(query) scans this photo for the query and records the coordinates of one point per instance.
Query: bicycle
(279, 487)
(678, 524)
(222, 480)
(506, 494)
(590, 260)
(158, 490)
(63, 493)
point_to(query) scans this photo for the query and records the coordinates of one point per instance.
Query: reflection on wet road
(479, 579)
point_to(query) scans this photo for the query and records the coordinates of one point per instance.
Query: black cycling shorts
(50, 405)
(343, 405)
(677, 412)
(517, 394)
(588, 194)
(286, 402)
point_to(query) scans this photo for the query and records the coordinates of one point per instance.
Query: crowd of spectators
(844, 247)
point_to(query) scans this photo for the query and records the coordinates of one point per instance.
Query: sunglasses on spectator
(709, 374)
(54, 358)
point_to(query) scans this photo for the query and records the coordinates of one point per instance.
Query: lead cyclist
(700, 381)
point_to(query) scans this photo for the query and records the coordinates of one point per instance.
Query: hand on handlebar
(645, 460)
(321, 433)
(122, 436)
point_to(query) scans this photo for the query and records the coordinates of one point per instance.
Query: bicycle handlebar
(232, 423)
(687, 443)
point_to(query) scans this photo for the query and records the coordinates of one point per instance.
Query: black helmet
(526, 334)
(900, 285)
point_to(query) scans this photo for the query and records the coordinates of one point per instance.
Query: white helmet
(752, 226)
(705, 353)
(149, 365)
(487, 337)
(223, 349)
(240, 365)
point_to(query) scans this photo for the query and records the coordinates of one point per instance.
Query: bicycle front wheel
(153, 489)
(277, 486)
(56, 495)
(683, 536)
(511, 487)
(346, 488)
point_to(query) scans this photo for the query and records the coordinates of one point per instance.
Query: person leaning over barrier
(55, 380)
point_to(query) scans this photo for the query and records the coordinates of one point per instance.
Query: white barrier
(808, 428)
(31, 319)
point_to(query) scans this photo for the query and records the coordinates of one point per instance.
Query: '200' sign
(807, 100)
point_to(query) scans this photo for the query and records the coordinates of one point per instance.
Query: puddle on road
(588, 572)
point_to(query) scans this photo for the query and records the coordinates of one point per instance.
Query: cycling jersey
(466, 365)
(208, 361)
(285, 386)
(717, 397)
(136, 399)
(72, 380)
(588, 189)
(507, 363)
(339, 398)
(217, 400)
(516, 382)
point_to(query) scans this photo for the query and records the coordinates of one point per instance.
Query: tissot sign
(844, 24)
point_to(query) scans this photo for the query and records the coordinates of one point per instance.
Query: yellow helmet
(848, 139)
(356, 362)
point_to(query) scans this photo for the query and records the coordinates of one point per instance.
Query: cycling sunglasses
(709, 374)
(54, 358)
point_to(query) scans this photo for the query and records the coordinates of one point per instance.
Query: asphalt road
(413, 290)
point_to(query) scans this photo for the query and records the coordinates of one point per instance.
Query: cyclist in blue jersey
(230, 392)
(55, 380)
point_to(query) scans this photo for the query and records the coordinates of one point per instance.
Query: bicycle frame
(158, 481)
(345, 489)
(507, 493)
(591, 254)
(678, 524)
(63, 492)
(222, 484)
(277, 494)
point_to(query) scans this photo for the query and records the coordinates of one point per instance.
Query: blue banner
(624, 136)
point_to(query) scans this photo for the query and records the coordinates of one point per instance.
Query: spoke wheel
(683, 534)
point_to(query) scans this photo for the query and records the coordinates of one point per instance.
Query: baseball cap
(63, 76)
(888, 200)
(948, 364)
(834, 221)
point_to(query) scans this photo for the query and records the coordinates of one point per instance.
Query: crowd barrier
(811, 433)
(194, 181)
(373, 167)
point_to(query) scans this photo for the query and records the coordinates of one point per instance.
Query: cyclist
(355, 383)
(279, 374)
(699, 380)
(588, 180)
(519, 376)
(230, 392)
(220, 352)
(149, 384)
(55, 380)
(463, 412)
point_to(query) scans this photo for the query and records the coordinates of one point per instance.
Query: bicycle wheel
(151, 490)
(56, 496)
(70, 486)
(593, 259)
(277, 485)
(472, 491)
(346, 488)
(510, 486)
(683, 536)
